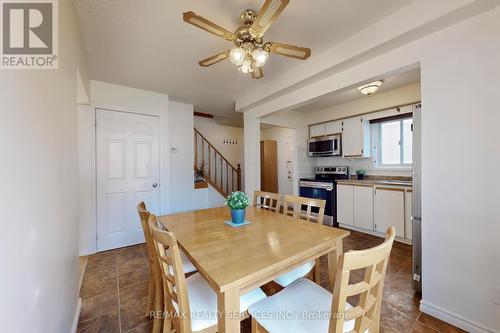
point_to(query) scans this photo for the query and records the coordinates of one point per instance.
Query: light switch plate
(174, 150)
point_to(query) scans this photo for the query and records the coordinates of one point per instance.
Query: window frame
(376, 140)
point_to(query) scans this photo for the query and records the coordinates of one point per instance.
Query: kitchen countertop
(371, 182)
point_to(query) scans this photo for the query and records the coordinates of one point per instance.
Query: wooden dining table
(237, 260)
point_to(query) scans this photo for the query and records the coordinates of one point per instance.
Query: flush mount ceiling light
(251, 52)
(370, 88)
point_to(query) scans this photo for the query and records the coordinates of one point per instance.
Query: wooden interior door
(269, 166)
(128, 171)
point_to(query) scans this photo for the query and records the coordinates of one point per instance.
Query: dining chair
(304, 300)
(267, 200)
(308, 209)
(294, 206)
(155, 288)
(190, 303)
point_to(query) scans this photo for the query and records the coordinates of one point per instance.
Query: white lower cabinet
(363, 207)
(345, 207)
(408, 224)
(390, 210)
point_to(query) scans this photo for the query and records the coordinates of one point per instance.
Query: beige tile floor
(114, 292)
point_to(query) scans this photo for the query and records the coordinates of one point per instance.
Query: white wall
(302, 166)
(460, 137)
(285, 141)
(38, 191)
(460, 76)
(86, 180)
(183, 194)
(216, 134)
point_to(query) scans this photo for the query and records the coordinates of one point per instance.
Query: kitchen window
(392, 142)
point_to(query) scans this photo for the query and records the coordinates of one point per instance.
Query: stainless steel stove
(323, 186)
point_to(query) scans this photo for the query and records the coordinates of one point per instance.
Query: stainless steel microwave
(325, 146)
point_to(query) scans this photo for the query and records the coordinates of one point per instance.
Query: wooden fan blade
(214, 59)
(267, 15)
(287, 50)
(203, 23)
(257, 73)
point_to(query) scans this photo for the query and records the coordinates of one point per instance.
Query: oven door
(318, 190)
(326, 146)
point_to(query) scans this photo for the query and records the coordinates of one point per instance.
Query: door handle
(416, 218)
(155, 185)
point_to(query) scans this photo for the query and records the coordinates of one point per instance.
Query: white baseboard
(86, 252)
(77, 315)
(454, 319)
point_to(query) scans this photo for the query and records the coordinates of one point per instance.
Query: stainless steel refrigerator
(416, 216)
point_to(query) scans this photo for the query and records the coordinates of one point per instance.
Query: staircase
(217, 171)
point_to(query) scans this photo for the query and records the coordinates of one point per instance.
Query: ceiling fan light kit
(250, 52)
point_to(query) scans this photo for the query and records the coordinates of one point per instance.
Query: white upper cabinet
(324, 129)
(345, 204)
(317, 130)
(363, 207)
(390, 210)
(333, 127)
(355, 137)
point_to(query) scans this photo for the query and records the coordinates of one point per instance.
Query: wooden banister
(218, 172)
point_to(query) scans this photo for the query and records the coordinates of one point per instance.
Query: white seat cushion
(186, 263)
(292, 276)
(293, 309)
(203, 302)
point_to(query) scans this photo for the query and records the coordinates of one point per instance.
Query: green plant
(361, 172)
(237, 200)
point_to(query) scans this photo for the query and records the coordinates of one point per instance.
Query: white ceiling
(350, 94)
(146, 45)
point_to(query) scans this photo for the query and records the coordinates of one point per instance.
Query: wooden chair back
(267, 200)
(174, 281)
(294, 206)
(367, 312)
(144, 217)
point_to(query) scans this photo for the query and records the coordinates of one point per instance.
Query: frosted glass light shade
(237, 56)
(260, 56)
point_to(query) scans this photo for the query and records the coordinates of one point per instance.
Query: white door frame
(164, 165)
(131, 185)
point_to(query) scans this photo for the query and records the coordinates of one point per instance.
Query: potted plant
(361, 173)
(237, 202)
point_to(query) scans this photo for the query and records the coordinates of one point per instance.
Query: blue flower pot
(238, 216)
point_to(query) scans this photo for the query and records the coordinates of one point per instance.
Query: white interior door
(128, 171)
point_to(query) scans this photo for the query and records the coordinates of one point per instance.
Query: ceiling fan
(251, 52)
